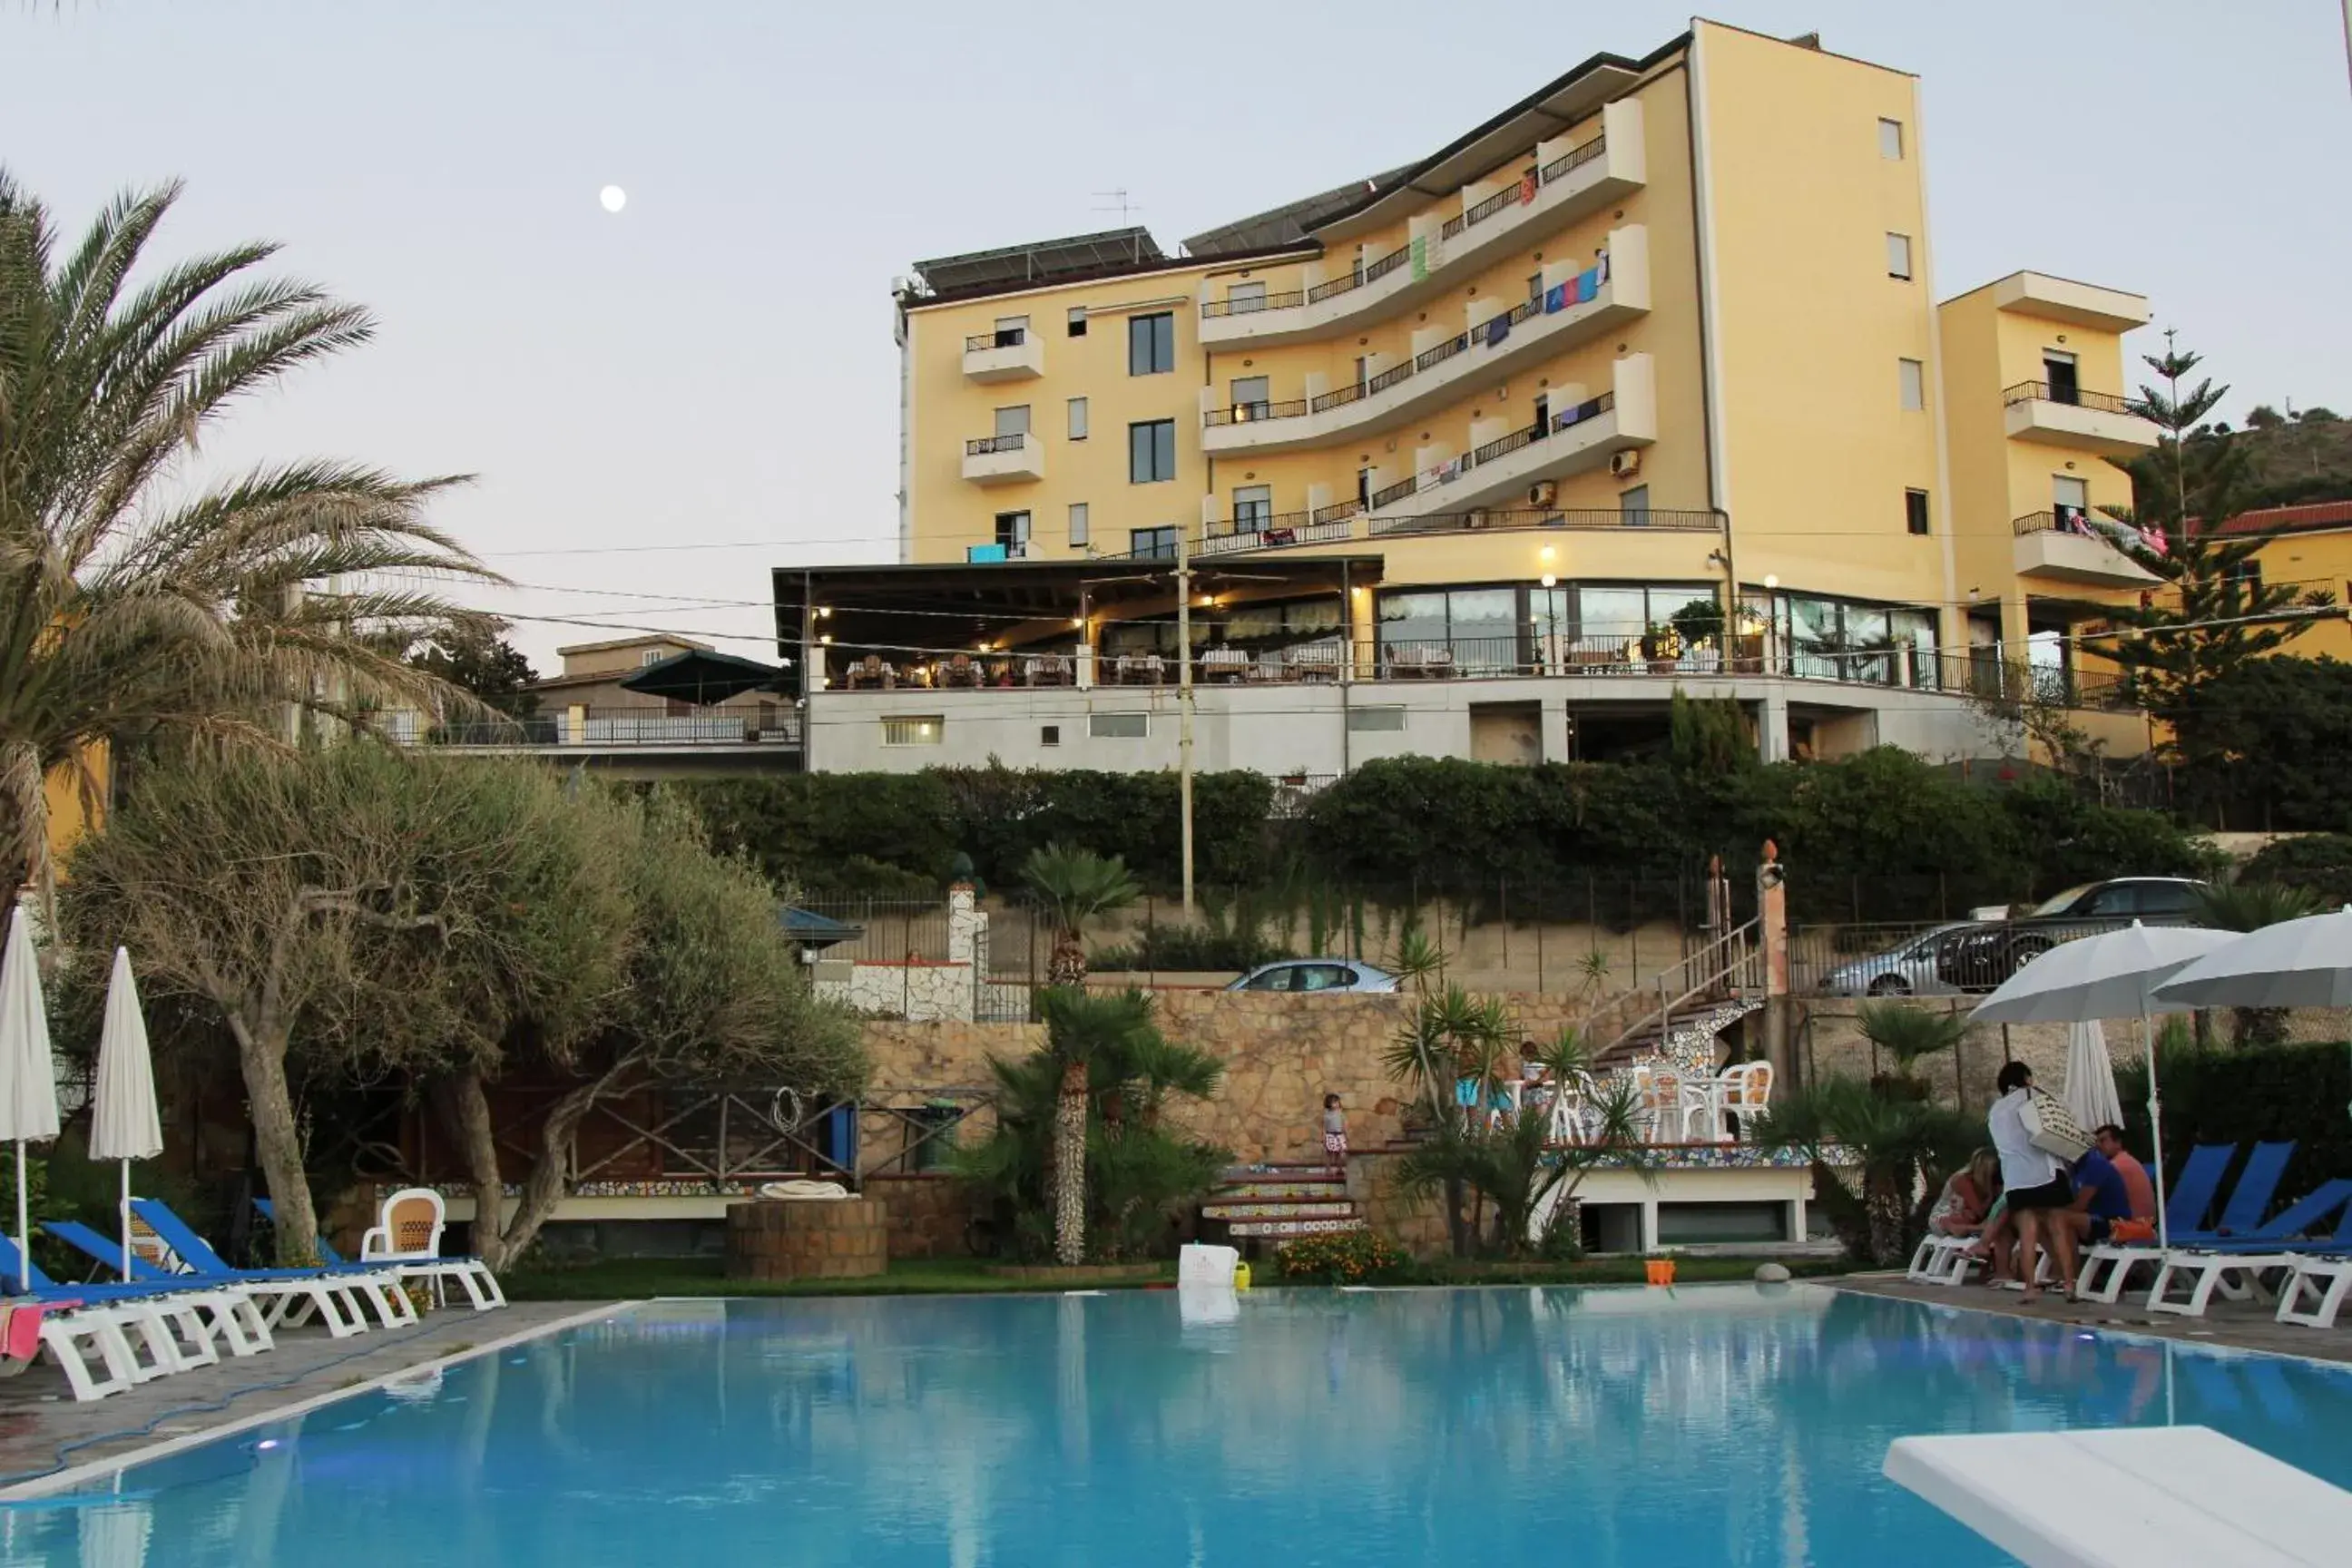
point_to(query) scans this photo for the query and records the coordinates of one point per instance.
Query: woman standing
(2033, 1182)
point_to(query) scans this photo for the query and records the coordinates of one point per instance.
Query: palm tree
(1908, 1034)
(1894, 1141)
(1073, 887)
(2246, 907)
(134, 600)
(1081, 1027)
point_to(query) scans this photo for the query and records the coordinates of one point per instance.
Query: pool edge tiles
(75, 1475)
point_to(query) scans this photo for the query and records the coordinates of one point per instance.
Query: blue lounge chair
(2185, 1207)
(240, 1322)
(334, 1295)
(109, 1337)
(2234, 1267)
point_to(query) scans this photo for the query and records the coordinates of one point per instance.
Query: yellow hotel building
(1468, 455)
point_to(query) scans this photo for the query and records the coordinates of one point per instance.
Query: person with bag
(2034, 1177)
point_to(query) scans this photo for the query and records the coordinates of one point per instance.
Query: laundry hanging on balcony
(1497, 330)
(1420, 249)
(1527, 184)
(1556, 298)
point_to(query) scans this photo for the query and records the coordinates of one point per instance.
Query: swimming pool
(1717, 1425)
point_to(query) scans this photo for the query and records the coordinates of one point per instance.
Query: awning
(701, 676)
(809, 928)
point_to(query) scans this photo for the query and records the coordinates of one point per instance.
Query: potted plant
(1662, 646)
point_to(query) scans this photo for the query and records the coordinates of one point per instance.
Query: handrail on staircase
(1734, 958)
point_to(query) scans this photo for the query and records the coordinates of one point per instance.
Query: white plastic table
(2136, 1497)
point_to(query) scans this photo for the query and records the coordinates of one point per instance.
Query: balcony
(1004, 460)
(596, 729)
(1009, 354)
(2071, 547)
(1572, 184)
(1517, 469)
(1583, 308)
(2096, 422)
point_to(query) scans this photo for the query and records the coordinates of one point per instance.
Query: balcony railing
(1584, 519)
(623, 726)
(1372, 273)
(1454, 468)
(1438, 354)
(1245, 413)
(2043, 392)
(1002, 338)
(1517, 191)
(987, 444)
(1248, 304)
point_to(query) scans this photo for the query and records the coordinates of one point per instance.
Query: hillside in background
(2306, 458)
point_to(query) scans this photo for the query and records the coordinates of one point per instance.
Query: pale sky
(664, 404)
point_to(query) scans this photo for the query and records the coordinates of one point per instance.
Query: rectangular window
(1012, 421)
(1049, 734)
(1912, 377)
(913, 730)
(1078, 418)
(1118, 726)
(653, 656)
(1013, 533)
(1890, 139)
(1914, 510)
(1244, 298)
(1253, 507)
(1153, 543)
(1012, 331)
(1250, 395)
(1898, 256)
(1081, 528)
(1078, 321)
(1152, 344)
(1151, 451)
(1634, 507)
(1361, 720)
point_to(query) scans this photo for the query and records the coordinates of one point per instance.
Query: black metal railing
(1573, 159)
(1372, 273)
(987, 444)
(1002, 338)
(1338, 396)
(1251, 525)
(1396, 491)
(1581, 519)
(1438, 354)
(2075, 521)
(1249, 305)
(1250, 412)
(1388, 378)
(1338, 511)
(621, 726)
(2045, 392)
(1525, 437)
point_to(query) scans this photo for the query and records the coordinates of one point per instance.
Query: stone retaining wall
(929, 1216)
(843, 1239)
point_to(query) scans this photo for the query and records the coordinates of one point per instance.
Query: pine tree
(2215, 613)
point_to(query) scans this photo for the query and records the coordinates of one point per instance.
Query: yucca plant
(135, 596)
(2249, 907)
(1899, 1143)
(1909, 1034)
(1073, 887)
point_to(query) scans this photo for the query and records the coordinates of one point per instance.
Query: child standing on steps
(1335, 1134)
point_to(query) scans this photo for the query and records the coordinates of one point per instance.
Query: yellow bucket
(1241, 1276)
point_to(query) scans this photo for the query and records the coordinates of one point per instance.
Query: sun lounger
(2106, 1266)
(334, 1295)
(2314, 1289)
(2137, 1496)
(109, 1337)
(406, 1237)
(2234, 1268)
(1942, 1260)
(239, 1321)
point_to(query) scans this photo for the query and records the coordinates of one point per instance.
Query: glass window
(1898, 256)
(1118, 726)
(1153, 543)
(1242, 298)
(1081, 528)
(1912, 377)
(1813, 627)
(1013, 533)
(913, 730)
(1413, 620)
(1634, 506)
(1078, 321)
(1376, 719)
(1252, 505)
(1250, 394)
(1012, 421)
(1914, 510)
(1152, 344)
(1012, 331)
(1483, 627)
(1078, 418)
(1151, 451)
(1611, 615)
(1890, 139)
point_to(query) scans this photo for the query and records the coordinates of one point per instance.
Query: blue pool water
(1724, 1425)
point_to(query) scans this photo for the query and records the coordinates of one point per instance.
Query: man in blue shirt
(2100, 1197)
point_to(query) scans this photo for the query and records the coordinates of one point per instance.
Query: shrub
(1340, 1258)
(1192, 948)
(2321, 862)
(2268, 1092)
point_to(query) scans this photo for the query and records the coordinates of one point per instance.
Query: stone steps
(1216, 1209)
(1278, 1192)
(1286, 1229)
(1277, 1203)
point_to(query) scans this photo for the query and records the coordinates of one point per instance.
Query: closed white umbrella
(123, 1124)
(2091, 1075)
(28, 1079)
(2115, 974)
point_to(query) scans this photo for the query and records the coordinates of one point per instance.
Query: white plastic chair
(1747, 1092)
(406, 1237)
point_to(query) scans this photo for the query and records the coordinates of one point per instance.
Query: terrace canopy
(701, 676)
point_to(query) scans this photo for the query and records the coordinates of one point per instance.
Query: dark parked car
(1980, 957)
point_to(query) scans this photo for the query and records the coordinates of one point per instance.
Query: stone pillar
(575, 725)
(966, 925)
(1773, 724)
(1555, 731)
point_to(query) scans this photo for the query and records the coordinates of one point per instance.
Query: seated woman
(1966, 1198)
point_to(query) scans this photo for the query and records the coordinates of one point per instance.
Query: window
(2070, 502)
(1012, 331)
(1078, 321)
(653, 656)
(1898, 256)
(1250, 394)
(1118, 726)
(1151, 451)
(1081, 527)
(1253, 506)
(1368, 719)
(1153, 543)
(1049, 734)
(1912, 376)
(1890, 139)
(1012, 534)
(1078, 418)
(1634, 506)
(1012, 421)
(2059, 370)
(1243, 298)
(915, 729)
(1535, 289)
(1152, 344)
(1914, 510)
(2246, 574)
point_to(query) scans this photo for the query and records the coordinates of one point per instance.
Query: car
(1982, 956)
(1316, 975)
(1906, 969)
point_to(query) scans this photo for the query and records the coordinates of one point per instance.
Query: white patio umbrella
(123, 1124)
(2294, 964)
(2112, 976)
(2091, 1075)
(28, 1079)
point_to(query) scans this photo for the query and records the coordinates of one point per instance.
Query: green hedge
(2319, 861)
(2298, 1091)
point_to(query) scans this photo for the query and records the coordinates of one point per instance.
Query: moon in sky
(613, 198)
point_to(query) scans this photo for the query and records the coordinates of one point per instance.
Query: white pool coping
(99, 1470)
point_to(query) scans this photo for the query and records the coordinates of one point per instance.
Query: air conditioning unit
(1624, 465)
(1543, 492)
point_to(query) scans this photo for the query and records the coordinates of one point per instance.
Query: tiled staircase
(1276, 1203)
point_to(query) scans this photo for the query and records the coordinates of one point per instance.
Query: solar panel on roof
(1041, 261)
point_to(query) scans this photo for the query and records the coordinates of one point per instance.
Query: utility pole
(1184, 700)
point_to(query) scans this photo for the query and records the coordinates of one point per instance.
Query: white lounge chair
(2234, 1270)
(407, 1238)
(2326, 1280)
(1942, 1260)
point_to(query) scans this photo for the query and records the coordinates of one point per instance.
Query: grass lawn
(635, 1279)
